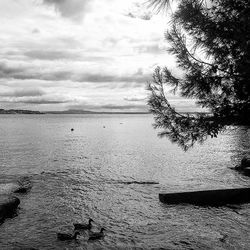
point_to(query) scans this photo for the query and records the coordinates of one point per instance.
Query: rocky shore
(244, 166)
(8, 206)
(8, 200)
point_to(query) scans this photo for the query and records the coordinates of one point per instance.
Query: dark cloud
(35, 100)
(42, 101)
(7, 71)
(149, 48)
(114, 106)
(52, 54)
(23, 93)
(134, 99)
(21, 72)
(25, 73)
(139, 78)
(69, 41)
(35, 31)
(74, 9)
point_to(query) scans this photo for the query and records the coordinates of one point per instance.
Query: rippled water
(83, 174)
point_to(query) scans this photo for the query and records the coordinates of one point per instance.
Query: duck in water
(96, 235)
(63, 236)
(81, 226)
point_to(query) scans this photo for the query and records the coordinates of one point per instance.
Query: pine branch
(222, 85)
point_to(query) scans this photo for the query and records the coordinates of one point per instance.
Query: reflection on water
(100, 173)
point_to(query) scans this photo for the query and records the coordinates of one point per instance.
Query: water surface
(85, 173)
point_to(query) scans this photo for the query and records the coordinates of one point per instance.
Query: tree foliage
(211, 43)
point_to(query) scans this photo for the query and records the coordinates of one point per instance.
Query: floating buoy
(72, 129)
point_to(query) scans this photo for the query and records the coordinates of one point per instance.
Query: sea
(111, 168)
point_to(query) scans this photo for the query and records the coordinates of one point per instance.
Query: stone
(8, 206)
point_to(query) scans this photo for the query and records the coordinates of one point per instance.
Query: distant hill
(78, 111)
(19, 111)
(70, 111)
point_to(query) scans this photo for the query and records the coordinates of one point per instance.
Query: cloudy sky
(80, 54)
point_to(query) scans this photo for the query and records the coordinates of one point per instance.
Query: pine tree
(211, 42)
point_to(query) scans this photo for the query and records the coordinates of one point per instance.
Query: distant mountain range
(18, 111)
(76, 111)
(70, 111)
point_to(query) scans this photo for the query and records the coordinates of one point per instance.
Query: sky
(81, 54)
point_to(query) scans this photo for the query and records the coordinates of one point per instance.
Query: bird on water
(83, 226)
(63, 236)
(96, 235)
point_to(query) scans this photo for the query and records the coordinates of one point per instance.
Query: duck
(83, 226)
(63, 236)
(96, 235)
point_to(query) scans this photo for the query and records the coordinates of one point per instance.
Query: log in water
(208, 197)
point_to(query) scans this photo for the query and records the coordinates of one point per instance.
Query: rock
(8, 188)
(8, 206)
(8, 203)
(22, 190)
(245, 163)
(244, 166)
(24, 185)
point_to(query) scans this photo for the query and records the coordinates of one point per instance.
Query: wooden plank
(208, 197)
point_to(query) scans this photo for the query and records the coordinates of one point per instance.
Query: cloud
(140, 11)
(66, 52)
(114, 78)
(28, 73)
(23, 93)
(134, 99)
(73, 9)
(42, 101)
(110, 107)
(35, 31)
(52, 54)
(123, 107)
(7, 71)
(48, 62)
(149, 48)
(39, 100)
